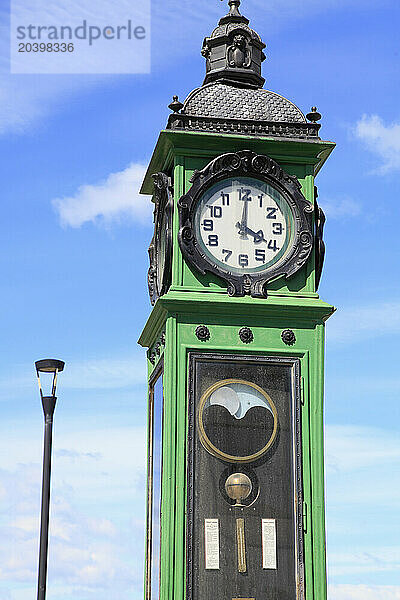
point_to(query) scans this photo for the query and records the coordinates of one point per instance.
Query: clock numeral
(277, 228)
(216, 211)
(272, 245)
(271, 212)
(225, 199)
(208, 225)
(212, 240)
(259, 255)
(244, 195)
(243, 260)
(261, 197)
(228, 254)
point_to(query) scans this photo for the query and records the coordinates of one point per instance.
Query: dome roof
(224, 101)
(232, 99)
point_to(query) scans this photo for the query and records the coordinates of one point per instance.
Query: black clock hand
(242, 226)
(257, 235)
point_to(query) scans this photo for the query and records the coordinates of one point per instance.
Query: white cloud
(365, 560)
(383, 140)
(364, 592)
(360, 462)
(371, 321)
(96, 548)
(106, 373)
(74, 455)
(350, 447)
(363, 502)
(341, 208)
(112, 200)
(25, 100)
(374, 383)
(111, 372)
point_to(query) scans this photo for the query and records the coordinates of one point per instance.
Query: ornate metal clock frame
(247, 163)
(159, 275)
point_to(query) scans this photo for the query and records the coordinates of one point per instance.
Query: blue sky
(73, 261)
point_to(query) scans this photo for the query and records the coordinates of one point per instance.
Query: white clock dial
(244, 225)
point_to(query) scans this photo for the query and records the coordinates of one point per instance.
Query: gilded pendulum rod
(241, 546)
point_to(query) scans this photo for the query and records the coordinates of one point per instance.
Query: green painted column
(236, 349)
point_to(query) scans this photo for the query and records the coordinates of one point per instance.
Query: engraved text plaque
(269, 543)
(211, 538)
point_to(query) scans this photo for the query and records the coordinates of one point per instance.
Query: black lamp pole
(52, 367)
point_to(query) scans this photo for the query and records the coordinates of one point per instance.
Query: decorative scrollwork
(159, 274)
(160, 183)
(151, 356)
(319, 219)
(187, 234)
(152, 274)
(247, 163)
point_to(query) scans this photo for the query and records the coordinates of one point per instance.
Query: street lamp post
(51, 368)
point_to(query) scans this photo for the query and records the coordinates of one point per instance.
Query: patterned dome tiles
(230, 102)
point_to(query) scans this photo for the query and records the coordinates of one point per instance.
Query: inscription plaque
(211, 538)
(269, 543)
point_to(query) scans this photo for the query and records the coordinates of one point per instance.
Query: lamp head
(50, 367)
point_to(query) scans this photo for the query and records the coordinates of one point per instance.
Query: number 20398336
(45, 47)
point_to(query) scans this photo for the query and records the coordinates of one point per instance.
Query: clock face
(244, 225)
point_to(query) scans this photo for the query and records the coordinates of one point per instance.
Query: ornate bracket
(158, 277)
(250, 164)
(319, 219)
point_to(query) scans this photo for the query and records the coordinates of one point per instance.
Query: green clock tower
(235, 339)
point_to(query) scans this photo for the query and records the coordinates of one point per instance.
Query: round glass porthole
(237, 421)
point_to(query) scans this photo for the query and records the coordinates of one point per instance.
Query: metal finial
(234, 14)
(175, 105)
(313, 116)
(234, 8)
